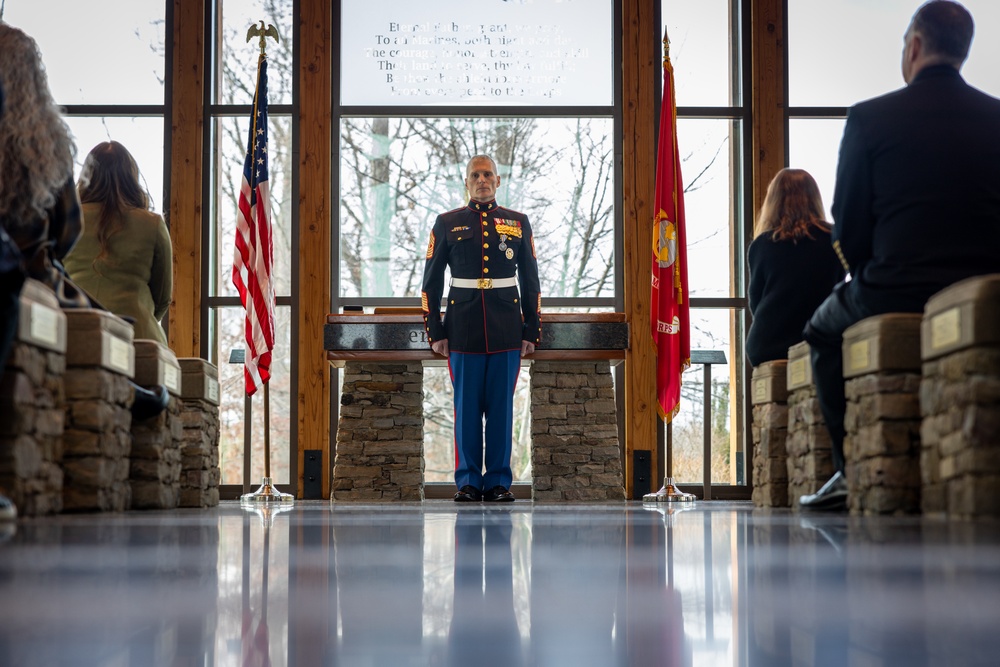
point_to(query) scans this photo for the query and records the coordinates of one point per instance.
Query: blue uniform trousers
(484, 388)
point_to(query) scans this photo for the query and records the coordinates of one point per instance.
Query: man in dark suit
(916, 203)
(489, 325)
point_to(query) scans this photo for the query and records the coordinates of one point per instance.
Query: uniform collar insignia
(478, 206)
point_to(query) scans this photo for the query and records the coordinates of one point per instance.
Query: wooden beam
(186, 145)
(641, 64)
(315, 164)
(768, 94)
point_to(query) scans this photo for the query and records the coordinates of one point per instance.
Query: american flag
(254, 253)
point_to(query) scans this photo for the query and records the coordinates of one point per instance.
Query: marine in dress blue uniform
(492, 318)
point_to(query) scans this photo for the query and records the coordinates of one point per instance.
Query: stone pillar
(770, 432)
(810, 457)
(32, 405)
(155, 473)
(960, 399)
(575, 454)
(200, 473)
(882, 445)
(380, 434)
(97, 442)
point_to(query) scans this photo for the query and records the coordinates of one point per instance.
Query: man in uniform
(490, 323)
(916, 204)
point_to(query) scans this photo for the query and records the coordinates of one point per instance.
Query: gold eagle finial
(263, 33)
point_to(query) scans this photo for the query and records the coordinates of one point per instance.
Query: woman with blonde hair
(792, 262)
(123, 258)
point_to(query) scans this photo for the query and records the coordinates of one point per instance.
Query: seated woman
(123, 258)
(793, 266)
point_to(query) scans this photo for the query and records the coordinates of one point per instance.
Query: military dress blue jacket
(482, 241)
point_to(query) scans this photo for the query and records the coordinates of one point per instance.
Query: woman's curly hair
(36, 146)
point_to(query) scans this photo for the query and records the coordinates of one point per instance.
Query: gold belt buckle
(484, 283)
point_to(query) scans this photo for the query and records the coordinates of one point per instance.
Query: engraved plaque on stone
(799, 371)
(44, 327)
(120, 355)
(42, 323)
(946, 329)
(859, 355)
(172, 379)
(198, 379)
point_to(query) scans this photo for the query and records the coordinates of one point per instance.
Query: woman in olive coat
(123, 258)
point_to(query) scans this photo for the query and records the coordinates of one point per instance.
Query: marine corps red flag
(669, 312)
(254, 255)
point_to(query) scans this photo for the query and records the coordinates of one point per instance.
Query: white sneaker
(8, 511)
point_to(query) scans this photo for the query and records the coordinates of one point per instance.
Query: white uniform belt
(483, 283)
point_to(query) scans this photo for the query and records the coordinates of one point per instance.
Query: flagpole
(668, 493)
(267, 494)
(267, 430)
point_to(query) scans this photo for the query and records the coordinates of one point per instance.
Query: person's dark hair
(792, 208)
(110, 177)
(946, 28)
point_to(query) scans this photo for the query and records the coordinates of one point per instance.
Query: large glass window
(114, 93)
(398, 174)
(529, 83)
(821, 88)
(113, 56)
(843, 51)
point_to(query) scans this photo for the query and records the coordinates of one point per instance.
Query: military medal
(503, 244)
(510, 253)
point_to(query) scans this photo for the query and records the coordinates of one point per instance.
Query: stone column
(155, 472)
(810, 457)
(33, 404)
(200, 473)
(770, 432)
(960, 400)
(882, 445)
(380, 434)
(100, 361)
(575, 453)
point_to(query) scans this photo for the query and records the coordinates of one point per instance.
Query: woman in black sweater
(793, 266)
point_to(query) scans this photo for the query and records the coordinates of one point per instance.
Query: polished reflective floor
(521, 584)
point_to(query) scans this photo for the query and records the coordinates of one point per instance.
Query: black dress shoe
(498, 494)
(468, 494)
(831, 497)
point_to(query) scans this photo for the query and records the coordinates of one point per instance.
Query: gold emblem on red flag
(664, 241)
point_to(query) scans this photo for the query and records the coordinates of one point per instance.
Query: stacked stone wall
(960, 433)
(97, 442)
(201, 475)
(770, 434)
(575, 452)
(770, 459)
(808, 446)
(380, 433)
(882, 445)
(155, 472)
(32, 419)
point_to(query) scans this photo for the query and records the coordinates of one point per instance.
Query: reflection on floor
(544, 585)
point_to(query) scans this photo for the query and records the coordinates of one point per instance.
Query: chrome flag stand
(267, 494)
(669, 494)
